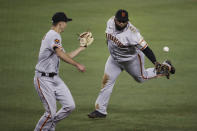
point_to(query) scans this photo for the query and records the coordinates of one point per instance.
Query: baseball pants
(49, 90)
(113, 68)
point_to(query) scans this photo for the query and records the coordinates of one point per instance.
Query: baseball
(166, 49)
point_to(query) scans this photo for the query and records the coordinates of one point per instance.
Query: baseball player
(49, 86)
(127, 49)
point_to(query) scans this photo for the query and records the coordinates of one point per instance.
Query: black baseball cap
(60, 16)
(122, 15)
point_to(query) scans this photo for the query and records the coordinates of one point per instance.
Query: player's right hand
(80, 67)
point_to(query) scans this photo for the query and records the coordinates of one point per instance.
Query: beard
(119, 28)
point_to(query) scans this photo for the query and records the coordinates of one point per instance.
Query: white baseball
(166, 49)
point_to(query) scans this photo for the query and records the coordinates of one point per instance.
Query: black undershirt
(149, 53)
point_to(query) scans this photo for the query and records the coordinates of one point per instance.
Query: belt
(48, 74)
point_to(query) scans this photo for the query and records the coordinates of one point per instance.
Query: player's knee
(71, 107)
(50, 115)
(105, 80)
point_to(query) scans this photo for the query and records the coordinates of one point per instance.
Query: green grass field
(156, 105)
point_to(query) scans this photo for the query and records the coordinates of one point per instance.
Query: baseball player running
(127, 49)
(49, 86)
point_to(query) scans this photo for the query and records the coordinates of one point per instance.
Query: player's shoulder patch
(57, 41)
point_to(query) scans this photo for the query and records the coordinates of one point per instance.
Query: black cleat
(96, 114)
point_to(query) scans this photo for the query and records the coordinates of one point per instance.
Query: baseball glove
(162, 70)
(86, 39)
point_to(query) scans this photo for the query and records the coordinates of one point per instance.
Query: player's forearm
(76, 52)
(65, 57)
(149, 53)
(69, 60)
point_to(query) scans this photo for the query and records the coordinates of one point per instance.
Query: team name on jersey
(114, 39)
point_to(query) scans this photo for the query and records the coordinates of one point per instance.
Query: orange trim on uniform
(141, 41)
(47, 104)
(144, 47)
(44, 122)
(141, 69)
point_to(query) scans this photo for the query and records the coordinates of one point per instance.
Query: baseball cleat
(96, 114)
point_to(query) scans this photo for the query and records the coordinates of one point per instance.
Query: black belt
(48, 74)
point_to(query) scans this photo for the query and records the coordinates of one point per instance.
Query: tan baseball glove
(86, 39)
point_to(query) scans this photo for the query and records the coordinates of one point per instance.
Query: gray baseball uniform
(125, 54)
(53, 88)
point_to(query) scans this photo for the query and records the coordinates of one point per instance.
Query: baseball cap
(60, 16)
(122, 15)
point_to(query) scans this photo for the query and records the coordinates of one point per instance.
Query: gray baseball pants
(49, 90)
(113, 68)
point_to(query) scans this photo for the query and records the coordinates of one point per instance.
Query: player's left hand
(162, 69)
(85, 39)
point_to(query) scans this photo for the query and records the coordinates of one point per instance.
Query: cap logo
(123, 14)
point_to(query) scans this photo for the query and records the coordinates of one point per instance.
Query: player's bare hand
(80, 67)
